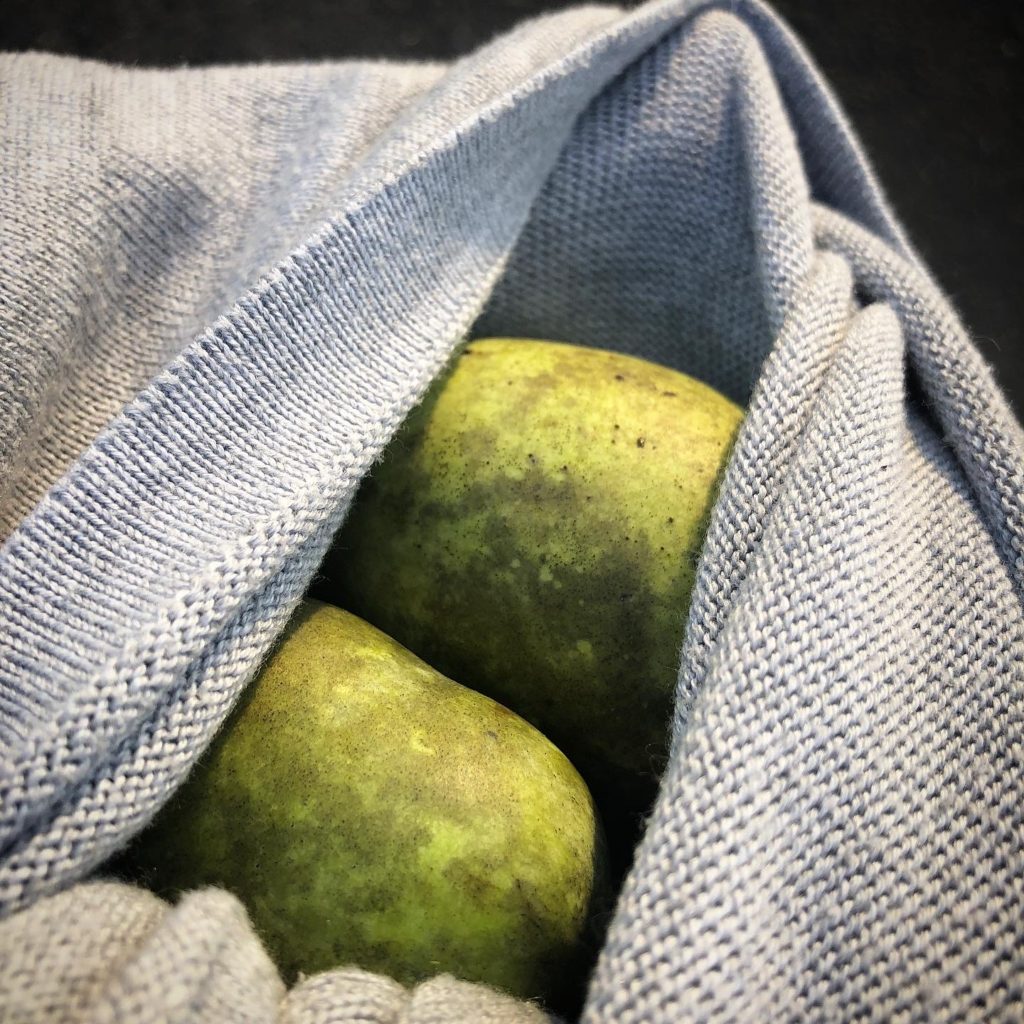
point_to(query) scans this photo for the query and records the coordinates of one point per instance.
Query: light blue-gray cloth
(222, 289)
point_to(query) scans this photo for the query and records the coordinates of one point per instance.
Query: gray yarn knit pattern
(106, 952)
(220, 293)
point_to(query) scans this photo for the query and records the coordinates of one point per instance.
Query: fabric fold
(225, 288)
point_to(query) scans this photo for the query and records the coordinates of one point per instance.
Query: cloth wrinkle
(223, 290)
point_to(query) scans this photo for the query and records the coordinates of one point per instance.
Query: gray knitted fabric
(104, 952)
(221, 290)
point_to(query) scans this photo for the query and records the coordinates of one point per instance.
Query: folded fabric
(223, 289)
(104, 951)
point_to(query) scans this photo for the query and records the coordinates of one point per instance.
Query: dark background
(933, 87)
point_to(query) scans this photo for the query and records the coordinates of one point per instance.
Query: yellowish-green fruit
(533, 532)
(369, 811)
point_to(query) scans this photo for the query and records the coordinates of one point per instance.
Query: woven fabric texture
(221, 292)
(108, 952)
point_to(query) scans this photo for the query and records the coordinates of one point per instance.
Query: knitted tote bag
(222, 289)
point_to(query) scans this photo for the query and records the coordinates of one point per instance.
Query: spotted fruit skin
(369, 811)
(533, 531)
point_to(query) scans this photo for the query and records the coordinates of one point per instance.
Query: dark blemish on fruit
(619, 376)
(669, 394)
(670, 519)
(565, 469)
(640, 442)
(616, 426)
(532, 458)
